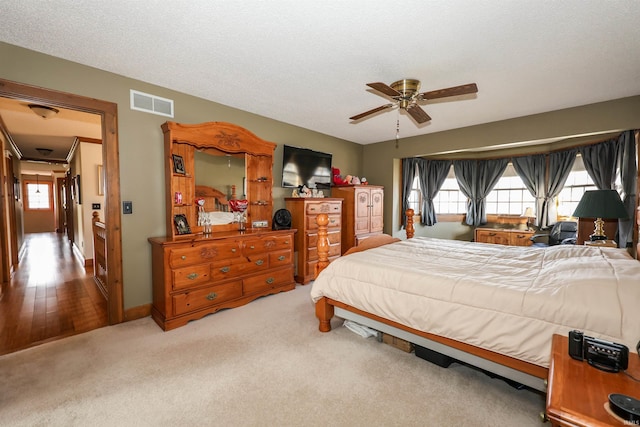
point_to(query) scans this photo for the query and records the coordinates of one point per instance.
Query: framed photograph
(78, 190)
(178, 164)
(182, 225)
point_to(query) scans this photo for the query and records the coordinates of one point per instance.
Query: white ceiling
(306, 63)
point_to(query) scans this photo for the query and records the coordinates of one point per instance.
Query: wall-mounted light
(44, 111)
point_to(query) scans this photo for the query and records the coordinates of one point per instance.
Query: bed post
(323, 243)
(409, 227)
(324, 313)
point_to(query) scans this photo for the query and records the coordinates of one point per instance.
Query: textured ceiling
(306, 63)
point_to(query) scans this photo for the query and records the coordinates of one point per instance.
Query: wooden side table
(578, 393)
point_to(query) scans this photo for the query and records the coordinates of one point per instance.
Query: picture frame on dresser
(182, 225)
(178, 164)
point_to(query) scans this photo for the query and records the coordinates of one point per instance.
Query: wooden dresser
(504, 236)
(304, 211)
(196, 277)
(196, 271)
(362, 213)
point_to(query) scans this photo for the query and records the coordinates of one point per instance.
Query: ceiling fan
(406, 96)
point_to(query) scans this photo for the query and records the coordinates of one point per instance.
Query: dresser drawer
(187, 277)
(335, 221)
(225, 270)
(181, 257)
(324, 207)
(277, 259)
(272, 279)
(190, 301)
(334, 250)
(334, 237)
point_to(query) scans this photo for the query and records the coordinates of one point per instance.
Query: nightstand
(601, 243)
(578, 393)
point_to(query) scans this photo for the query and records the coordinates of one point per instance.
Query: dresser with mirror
(219, 250)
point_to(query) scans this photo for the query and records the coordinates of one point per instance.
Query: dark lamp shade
(601, 204)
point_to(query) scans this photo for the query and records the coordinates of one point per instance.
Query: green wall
(382, 160)
(141, 147)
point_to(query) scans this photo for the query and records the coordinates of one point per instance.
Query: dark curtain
(600, 161)
(531, 169)
(408, 174)
(628, 173)
(476, 179)
(560, 164)
(431, 174)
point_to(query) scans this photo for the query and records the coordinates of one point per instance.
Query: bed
(214, 207)
(492, 306)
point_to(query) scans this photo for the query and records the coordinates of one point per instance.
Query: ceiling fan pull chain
(398, 128)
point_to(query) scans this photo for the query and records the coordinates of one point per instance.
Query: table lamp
(600, 204)
(528, 213)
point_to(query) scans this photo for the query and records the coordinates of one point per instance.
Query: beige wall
(382, 160)
(141, 147)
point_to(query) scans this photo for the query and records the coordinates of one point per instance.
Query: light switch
(127, 207)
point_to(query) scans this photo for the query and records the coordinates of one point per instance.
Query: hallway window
(38, 195)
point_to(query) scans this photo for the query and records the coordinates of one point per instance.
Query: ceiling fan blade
(384, 88)
(366, 113)
(418, 114)
(450, 91)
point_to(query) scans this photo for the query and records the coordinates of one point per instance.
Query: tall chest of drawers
(304, 211)
(199, 276)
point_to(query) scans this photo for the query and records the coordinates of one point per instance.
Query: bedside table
(578, 393)
(601, 243)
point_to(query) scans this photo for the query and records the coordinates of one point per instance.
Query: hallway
(50, 296)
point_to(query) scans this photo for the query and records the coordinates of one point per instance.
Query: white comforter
(507, 299)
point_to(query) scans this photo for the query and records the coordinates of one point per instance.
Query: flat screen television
(301, 166)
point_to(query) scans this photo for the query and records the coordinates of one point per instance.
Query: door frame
(109, 114)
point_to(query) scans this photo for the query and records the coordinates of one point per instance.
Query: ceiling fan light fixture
(44, 111)
(44, 151)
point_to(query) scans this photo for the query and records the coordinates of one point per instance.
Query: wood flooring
(50, 296)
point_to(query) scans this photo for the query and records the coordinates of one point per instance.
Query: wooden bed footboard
(325, 310)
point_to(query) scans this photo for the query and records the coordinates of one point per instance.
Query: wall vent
(141, 101)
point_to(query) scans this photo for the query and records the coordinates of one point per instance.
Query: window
(415, 197)
(38, 195)
(509, 196)
(577, 183)
(450, 199)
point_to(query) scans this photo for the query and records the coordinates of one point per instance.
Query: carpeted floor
(263, 364)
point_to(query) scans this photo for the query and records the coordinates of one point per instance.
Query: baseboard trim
(138, 312)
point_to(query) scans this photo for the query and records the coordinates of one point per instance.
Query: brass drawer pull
(225, 269)
(252, 247)
(192, 276)
(233, 250)
(270, 280)
(260, 262)
(281, 258)
(492, 234)
(183, 257)
(212, 296)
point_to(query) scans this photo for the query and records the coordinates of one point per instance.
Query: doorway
(108, 113)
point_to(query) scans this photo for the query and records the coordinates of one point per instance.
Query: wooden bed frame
(522, 372)
(531, 375)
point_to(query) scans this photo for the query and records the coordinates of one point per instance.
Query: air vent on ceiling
(141, 101)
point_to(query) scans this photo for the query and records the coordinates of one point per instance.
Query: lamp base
(594, 237)
(598, 233)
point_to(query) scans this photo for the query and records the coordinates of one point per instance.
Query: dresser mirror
(217, 157)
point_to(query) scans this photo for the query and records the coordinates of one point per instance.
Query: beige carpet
(264, 364)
